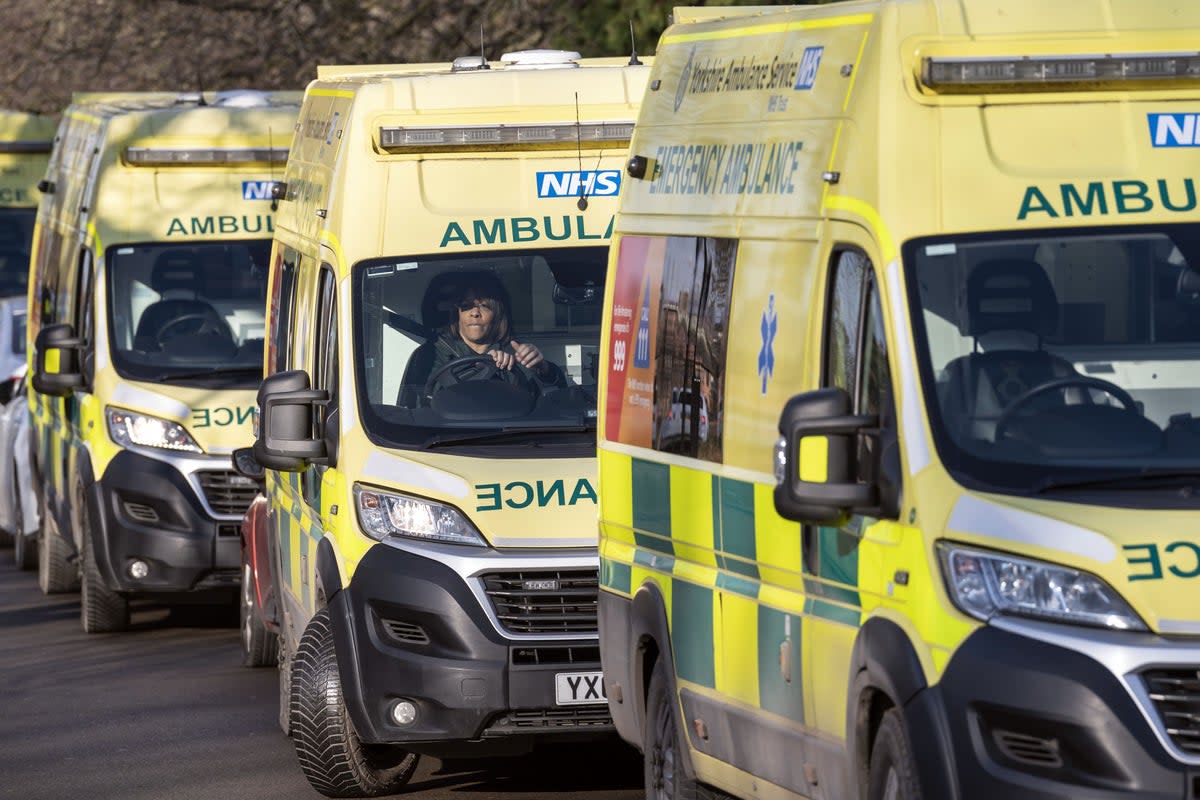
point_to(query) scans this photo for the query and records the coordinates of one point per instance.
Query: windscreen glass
(480, 350)
(16, 233)
(188, 313)
(1062, 359)
(18, 332)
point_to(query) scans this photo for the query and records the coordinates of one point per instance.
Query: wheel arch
(886, 673)
(650, 641)
(328, 575)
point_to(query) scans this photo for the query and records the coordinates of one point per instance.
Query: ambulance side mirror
(816, 470)
(56, 367)
(246, 465)
(287, 439)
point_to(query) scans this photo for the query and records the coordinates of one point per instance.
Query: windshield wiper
(208, 373)
(1146, 478)
(497, 436)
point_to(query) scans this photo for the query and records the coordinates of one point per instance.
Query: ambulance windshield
(480, 350)
(1066, 359)
(188, 313)
(16, 233)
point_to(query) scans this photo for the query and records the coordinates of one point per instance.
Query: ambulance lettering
(726, 169)
(221, 417)
(503, 230)
(10, 196)
(223, 224)
(1147, 562)
(1097, 198)
(519, 494)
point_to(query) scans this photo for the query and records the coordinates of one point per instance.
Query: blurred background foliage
(55, 47)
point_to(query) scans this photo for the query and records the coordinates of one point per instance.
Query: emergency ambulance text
(715, 169)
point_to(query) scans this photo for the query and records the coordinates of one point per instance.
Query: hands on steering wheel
(460, 370)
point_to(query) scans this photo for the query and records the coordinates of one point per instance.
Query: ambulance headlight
(984, 584)
(141, 430)
(383, 514)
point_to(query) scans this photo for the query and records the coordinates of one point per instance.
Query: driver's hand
(527, 354)
(503, 360)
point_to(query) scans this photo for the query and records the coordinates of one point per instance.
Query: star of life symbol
(641, 348)
(766, 356)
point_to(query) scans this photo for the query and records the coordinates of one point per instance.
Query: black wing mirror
(56, 367)
(287, 437)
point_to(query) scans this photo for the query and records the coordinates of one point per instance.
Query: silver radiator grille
(545, 601)
(1176, 697)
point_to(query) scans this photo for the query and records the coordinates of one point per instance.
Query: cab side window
(283, 303)
(325, 348)
(856, 358)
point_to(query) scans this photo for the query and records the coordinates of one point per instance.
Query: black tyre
(24, 552)
(101, 610)
(260, 647)
(892, 774)
(56, 572)
(331, 756)
(665, 776)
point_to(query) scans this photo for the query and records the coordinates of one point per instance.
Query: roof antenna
(634, 61)
(582, 203)
(482, 50)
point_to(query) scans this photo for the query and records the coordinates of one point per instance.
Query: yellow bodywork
(790, 132)
(351, 198)
(100, 199)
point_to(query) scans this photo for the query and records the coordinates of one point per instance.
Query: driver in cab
(480, 325)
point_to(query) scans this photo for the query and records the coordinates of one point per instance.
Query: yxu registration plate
(579, 688)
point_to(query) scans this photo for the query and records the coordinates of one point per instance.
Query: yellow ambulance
(428, 421)
(147, 300)
(900, 432)
(25, 141)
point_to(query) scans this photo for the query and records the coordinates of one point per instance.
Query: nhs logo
(806, 76)
(593, 183)
(257, 190)
(1174, 130)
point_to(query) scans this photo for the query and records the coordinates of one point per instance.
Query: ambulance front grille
(1176, 697)
(545, 601)
(227, 492)
(513, 722)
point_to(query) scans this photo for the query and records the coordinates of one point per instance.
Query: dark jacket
(449, 346)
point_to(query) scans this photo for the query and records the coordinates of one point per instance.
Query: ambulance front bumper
(420, 624)
(158, 511)
(1040, 711)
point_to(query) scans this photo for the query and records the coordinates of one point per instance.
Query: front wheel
(101, 610)
(260, 647)
(24, 552)
(332, 758)
(665, 776)
(892, 774)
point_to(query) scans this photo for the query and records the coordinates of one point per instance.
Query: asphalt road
(167, 711)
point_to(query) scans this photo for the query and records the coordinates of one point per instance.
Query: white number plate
(579, 688)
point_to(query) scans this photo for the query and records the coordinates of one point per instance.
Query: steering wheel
(460, 370)
(1078, 381)
(207, 324)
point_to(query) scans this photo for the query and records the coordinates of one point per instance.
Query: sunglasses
(469, 305)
